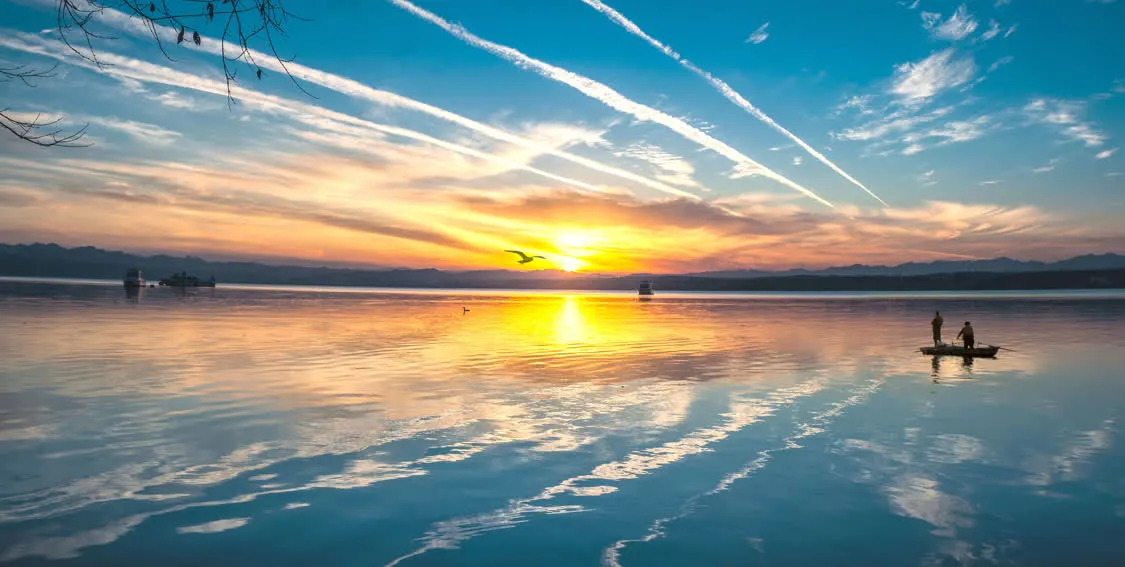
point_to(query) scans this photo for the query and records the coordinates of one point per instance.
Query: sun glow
(570, 264)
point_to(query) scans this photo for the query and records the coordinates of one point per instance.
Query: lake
(282, 426)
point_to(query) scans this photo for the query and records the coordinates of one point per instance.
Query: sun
(570, 264)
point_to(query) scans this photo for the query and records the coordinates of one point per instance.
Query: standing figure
(967, 334)
(936, 323)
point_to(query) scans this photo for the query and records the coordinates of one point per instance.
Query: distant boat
(645, 288)
(182, 279)
(133, 278)
(987, 351)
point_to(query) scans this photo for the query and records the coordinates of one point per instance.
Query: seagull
(525, 257)
(464, 310)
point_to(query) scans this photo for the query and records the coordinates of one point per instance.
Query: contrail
(608, 96)
(723, 88)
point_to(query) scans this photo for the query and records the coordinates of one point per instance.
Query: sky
(606, 135)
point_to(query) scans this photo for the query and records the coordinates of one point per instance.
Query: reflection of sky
(115, 414)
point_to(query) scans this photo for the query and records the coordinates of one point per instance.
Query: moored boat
(645, 288)
(986, 351)
(182, 279)
(133, 278)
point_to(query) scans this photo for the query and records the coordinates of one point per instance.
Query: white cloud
(1119, 86)
(142, 132)
(992, 182)
(895, 123)
(1115, 174)
(862, 103)
(927, 178)
(1106, 154)
(942, 70)
(1000, 3)
(1011, 30)
(781, 147)
(992, 31)
(676, 170)
(1043, 169)
(1000, 63)
(797, 160)
(912, 149)
(1067, 117)
(761, 34)
(214, 527)
(959, 26)
(912, 6)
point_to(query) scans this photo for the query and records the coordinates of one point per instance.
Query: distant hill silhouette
(1090, 271)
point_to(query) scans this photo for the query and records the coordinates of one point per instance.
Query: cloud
(1043, 169)
(355, 89)
(781, 147)
(895, 123)
(140, 131)
(761, 34)
(611, 98)
(1106, 154)
(1000, 3)
(917, 82)
(1066, 117)
(992, 182)
(1000, 63)
(992, 31)
(1119, 86)
(952, 132)
(725, 89)
(912, 149)
(1011, 30)
(959, 26)
(215, 526)
(677, 170)
(862, 103)
(796, 160)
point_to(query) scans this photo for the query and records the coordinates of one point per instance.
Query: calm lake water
(258, 426)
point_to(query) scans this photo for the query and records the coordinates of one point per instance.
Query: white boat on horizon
(133, 278)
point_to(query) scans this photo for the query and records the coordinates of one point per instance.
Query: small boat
(182, 279)
(986, 351)
(645, 288)
(133, 278)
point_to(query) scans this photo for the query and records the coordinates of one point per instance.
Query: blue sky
(987, 128)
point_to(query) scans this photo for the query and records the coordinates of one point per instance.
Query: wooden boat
(986, 351)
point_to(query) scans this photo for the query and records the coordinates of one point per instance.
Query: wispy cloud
(142, 132)
(796, 160)
(992, 182)
(675, 169)
(992, 31)
(761, 34)
(1106, 154)
(919, 81)
(725, 89)
(895, 123)
(1011, 30)
(959, 26)
(1043, 169)
(1067, 117)
(1000, 63)
(1000, 3)
(927, 178)
(611, 98)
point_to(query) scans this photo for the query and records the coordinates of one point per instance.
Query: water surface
(280, 426)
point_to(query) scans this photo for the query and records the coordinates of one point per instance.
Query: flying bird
(525, 258)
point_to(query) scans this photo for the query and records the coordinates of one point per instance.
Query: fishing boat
(182, 279)
(645, 288)
(133, 278)
(986, 351)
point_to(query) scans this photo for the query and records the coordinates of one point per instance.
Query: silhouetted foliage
(246, 28)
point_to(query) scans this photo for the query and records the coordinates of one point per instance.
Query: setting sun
(570, 264)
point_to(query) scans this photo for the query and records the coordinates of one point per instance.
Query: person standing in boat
(967, 334)
(937, 323)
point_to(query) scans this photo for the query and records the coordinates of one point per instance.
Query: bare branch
(41, 131)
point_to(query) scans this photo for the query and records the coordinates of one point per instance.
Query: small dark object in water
(987, 351)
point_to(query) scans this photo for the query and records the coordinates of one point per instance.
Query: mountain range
(1096, 270)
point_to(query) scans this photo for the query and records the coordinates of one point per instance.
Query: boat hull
(951, 350)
